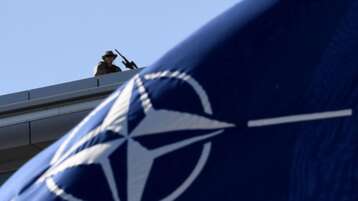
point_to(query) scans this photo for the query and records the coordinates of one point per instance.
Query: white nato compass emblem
(140, 159)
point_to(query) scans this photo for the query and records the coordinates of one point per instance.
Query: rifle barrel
(127, 63)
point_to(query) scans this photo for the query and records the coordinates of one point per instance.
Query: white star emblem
(139, 158)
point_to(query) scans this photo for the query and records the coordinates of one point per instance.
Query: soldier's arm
(118, 69)
(100, 70)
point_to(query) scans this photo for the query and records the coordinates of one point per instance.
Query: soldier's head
(109, 57)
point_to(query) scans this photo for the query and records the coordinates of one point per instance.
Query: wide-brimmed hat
(109, 53)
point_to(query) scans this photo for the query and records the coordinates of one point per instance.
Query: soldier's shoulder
(101, 64)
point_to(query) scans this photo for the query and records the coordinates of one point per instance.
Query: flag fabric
(259, 104)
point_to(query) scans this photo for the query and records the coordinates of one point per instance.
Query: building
(33, 119)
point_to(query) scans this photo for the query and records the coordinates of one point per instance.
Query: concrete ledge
(117, 78)
(14, 98)
(55, 99)
(63, 88)
(47, 96)
(48, 112)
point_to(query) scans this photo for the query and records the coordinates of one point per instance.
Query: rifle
(126, 62)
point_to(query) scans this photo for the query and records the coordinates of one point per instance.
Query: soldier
(106, 66)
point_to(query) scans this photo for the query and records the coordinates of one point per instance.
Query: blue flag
(259, 104)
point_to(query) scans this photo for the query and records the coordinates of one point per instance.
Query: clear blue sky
(45, 42)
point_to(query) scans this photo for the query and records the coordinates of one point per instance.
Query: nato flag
(259, 104)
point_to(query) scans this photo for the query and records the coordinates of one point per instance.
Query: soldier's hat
(109, 53)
